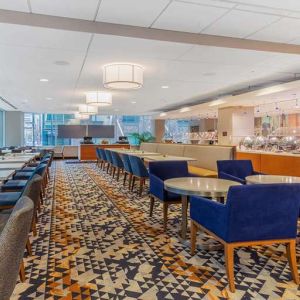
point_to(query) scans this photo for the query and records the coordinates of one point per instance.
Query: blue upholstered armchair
(117, 165)
(236, 170)
(253, 215)
(160, 171)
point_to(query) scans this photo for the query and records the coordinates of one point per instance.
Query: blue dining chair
(139, 172)
(253, 215)
(99, 158)
(127, 169)
(109, 161)
(117, 165)
(159, 171)
(236, 170)
(104, 158)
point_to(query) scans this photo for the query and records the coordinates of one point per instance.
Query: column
(14, 128)
(159, 130)
(234, 123)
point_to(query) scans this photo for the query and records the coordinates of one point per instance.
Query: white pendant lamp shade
(88, 109)
(99, 98)
(123, 76)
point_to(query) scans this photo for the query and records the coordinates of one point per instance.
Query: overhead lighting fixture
(98, 98)
(271, 90)
(44, 80)
(297, 104)
(49, 98)
(163, 114)
(164, 86)
(88, 109)
(133, 102)
(185, 109)
(123, 76)
(217, 102)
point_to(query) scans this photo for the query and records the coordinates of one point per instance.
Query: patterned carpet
(97, 241)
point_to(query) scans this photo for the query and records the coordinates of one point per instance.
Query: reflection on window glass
(177, 130)
(41, 129)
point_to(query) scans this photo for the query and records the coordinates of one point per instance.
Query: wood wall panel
(254, 157)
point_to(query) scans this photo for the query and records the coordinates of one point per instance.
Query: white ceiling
(191, 72)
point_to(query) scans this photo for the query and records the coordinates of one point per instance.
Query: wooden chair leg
(124, 179)
(113, 172)
(151, 206)
(141, 189)
(165, 212)
(28, 247)
(33, 226)
(132, 183)
(291, 255)
(229, 252)
(22, 271)
(194, 229)
(130, 180)
(118, 174)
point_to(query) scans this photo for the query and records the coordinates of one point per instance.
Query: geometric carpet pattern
(97, 241)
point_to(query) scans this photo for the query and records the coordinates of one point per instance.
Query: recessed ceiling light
(44, 80)
(49, 98)
(133, 102)
(163, 114)
(217, 102)
(116, 109)
(164, 86)
(209, 74)
(61, 63)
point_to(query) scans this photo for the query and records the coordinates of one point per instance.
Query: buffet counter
(88, 151)
(282, 163)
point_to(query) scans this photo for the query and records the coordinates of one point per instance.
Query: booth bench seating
(206, 155)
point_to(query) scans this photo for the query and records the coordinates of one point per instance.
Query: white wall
(14, 128)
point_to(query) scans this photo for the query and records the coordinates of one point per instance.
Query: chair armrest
(210, 214)
(156, 187)
(223, 175)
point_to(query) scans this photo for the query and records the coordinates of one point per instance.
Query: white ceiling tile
(123, 48)
(131, 12)
(18, 5)
(240, 24)
(66, 8)
(287, 4)
(218, 3)
(27, 36)
(282, 31)
(225, 56)
(264, 10)
(188, 17)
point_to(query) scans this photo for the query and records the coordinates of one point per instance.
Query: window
(41, 129)
(2, 128)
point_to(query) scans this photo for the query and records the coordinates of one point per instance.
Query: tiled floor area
(97, 241)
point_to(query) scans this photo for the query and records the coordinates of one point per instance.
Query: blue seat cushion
(9, 199)
(22, 175)
(28, 169)
(14, 185)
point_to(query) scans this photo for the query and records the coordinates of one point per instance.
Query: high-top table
(271, 179)
(200, 186)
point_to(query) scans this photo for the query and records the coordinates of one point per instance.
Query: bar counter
(273, 163)
(88, 151)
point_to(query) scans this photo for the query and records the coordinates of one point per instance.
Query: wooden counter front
(273, 164)
(88, 151)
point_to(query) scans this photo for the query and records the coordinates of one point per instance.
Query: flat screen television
(71, 131)
(101, 131)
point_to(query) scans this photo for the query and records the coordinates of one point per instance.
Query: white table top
(5, 174)
(11, 166)
(269, 179)
(206, 187)
(8, 160)
(167, 157)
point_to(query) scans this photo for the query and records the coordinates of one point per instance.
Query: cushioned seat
(202, 172)
(9, 199)
(27, 169)
(22, 175)
(12, 185)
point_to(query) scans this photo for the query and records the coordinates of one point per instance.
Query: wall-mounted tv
(101, 131)
(71, 131)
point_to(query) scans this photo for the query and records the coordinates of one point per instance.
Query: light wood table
(5, 174)
(200, 186)
(11, 166)
(271, 179)
(149, 158)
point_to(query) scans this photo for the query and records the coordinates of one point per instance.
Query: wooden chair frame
(229, 252)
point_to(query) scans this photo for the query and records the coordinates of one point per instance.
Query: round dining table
(197, 186)
(271, 179)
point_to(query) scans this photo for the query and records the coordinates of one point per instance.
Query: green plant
(143, 137)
